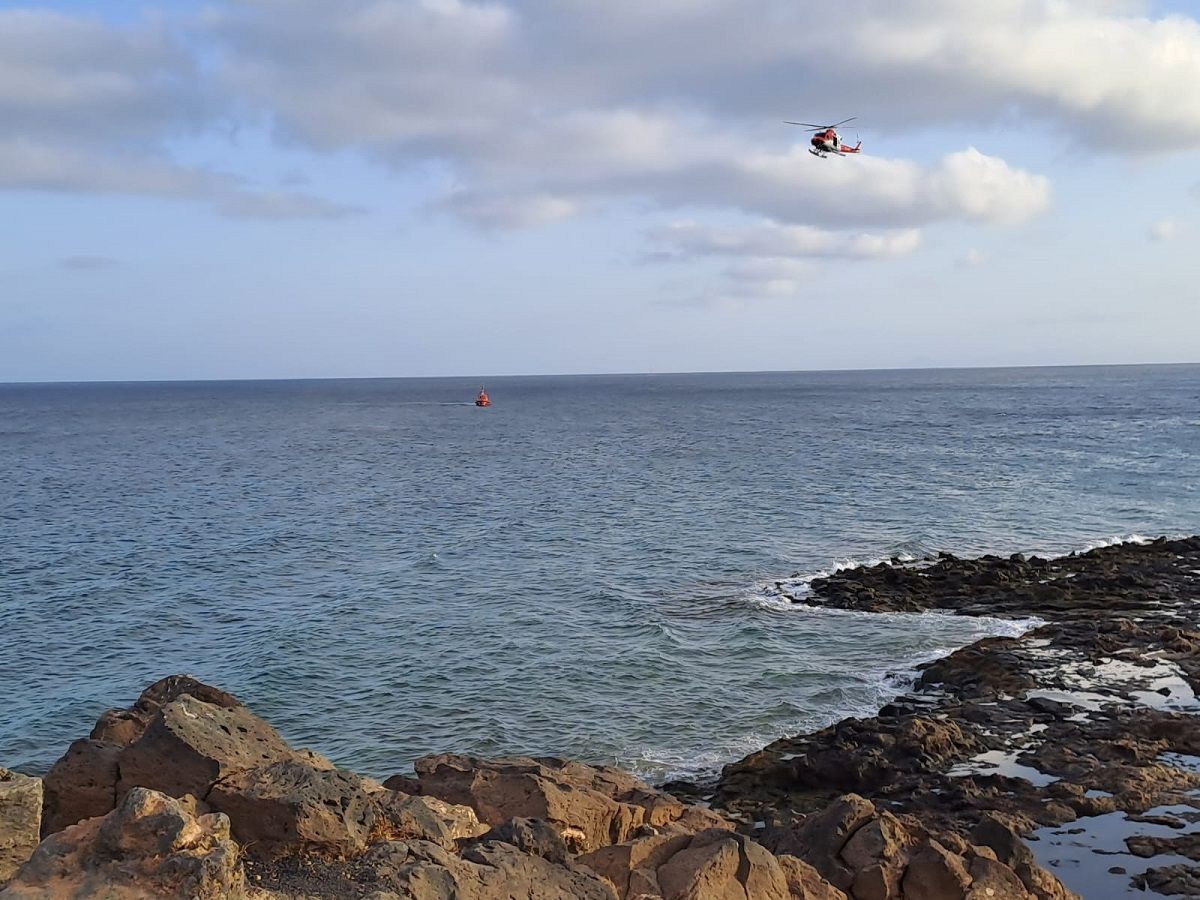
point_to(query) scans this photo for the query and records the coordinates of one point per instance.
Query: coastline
(1064, 724)
(1087, 720)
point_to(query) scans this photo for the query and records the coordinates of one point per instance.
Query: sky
(299, 188)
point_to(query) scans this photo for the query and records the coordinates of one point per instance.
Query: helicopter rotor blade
(807, 125)
(843, 122)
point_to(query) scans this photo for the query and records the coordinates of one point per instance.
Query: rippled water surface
(383, 570)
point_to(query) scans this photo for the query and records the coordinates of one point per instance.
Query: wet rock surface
(1091, 713)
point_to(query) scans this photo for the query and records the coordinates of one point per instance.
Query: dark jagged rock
(1076, 718)
(179, 737)
(290, 807)
(82, 784)
(535, 836)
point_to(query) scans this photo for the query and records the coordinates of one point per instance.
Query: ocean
(588, 568)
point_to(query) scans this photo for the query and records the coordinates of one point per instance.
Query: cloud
(526, 104)
(775, 241)
(504, 211)
(972, 258)
(88, 263)
(1165, 230)
(544, 110)
(766, 279)
(91, 108)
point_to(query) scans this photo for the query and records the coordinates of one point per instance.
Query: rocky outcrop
(591, 806)
(20, 820)
(853, 756)
(81, 785)
(180, 737)
(874, 855)
(929, 800)
(490, 870)
(150, 846)
(303, 827)
(711, 864)
(291, 807)
(190, 744)
(1092, 712)
(404, 817)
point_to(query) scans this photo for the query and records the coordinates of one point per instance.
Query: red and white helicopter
(825, 139)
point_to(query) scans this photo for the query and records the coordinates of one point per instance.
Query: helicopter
(825, 139)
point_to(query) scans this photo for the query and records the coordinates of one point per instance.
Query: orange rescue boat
(483, 399)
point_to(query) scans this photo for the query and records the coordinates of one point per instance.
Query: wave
(1115, 540)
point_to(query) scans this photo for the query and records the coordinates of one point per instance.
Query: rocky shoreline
(1009, 765)
(1088, 720)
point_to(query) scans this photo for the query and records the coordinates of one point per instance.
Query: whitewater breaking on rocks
(960, 789)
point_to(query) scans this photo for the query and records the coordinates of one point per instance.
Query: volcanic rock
(20, 820)
(191, 744)
(711, 864)
(590, 806)
(493, 870)
(81, 785)
(291, 807)
(534, 836)
(179, 737)
(150, 846)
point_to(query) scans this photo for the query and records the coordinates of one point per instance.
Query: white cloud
(542, 109)
(767, 278)
(1165, 230)
(90, 108)
(775, 241)
(501, 211)
(972, 258)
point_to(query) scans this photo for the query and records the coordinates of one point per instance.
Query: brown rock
(1011, 851)
(173, 687)
(819, 838)
(533, 836)
(632, 866)
(403, 817)
(119, 726)
(992, 880)
(711, 865)
(717, 865)
(81, 785)
(190, 744)
(805, 882)
(289, 806)
(876, 882)
(149, 847)
(934, 873)
(882, 841)
(488, 871)
(591, 806)
(20, 820)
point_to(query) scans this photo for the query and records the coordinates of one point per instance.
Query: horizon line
(847, 370)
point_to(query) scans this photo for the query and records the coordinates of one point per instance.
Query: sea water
(587, 568)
